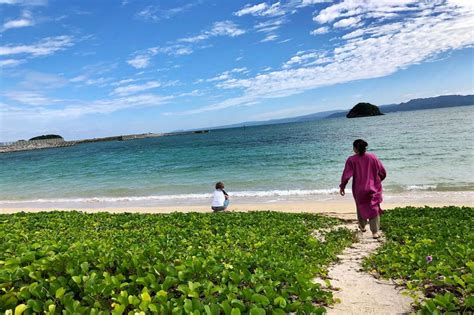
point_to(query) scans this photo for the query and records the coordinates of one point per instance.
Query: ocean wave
(268, 193)
(421, 187)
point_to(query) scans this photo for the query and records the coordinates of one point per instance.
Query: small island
(364, 110)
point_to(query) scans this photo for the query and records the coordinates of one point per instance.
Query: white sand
(343, 207)
(360, 292)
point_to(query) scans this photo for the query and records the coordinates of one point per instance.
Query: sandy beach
(340, 207)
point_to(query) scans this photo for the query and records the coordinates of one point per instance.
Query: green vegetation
(431, 250)
(46, 137)
(219, 263)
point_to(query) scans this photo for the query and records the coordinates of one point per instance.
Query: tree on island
(47, 137)
(364, 110)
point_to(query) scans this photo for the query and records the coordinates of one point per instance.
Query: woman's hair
(219, 185)
(361, 146)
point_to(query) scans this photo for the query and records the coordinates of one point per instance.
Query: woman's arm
(346, 175)
(381, 170)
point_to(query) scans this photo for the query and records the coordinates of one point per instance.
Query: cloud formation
(25, 20)
(262, 9)
(184, 46)
(154, 13)
(320, 30)
(30, 98)
(134, 88)
(221, 28)
(378, 49)
(44, 47)
(24, 2)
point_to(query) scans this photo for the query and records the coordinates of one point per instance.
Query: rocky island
(364, 110)
(48, 137)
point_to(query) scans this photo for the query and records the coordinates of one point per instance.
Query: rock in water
(364, 110)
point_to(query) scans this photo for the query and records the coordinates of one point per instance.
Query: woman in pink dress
(367, 174)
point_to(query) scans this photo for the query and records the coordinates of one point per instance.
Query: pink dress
(367, 174)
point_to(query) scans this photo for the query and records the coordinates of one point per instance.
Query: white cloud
(284, 41)
(98, 82)
(25, 21)
(79, 78)
(124, 81)
(154, 13)
(140, 61)
(240, 70)
(76, 108)
(252, 9)
(270, 25)
(226, 28)
(261, 9)
(269, 38)
(176, 50)
(226, 75)
(10, 62)
(352, 21)
(46, 46)
(310, 2)
(379, 49)
(30, 98)
(17, 24)
(221, 28)
(134, 88)
(40, 81)
(307, 58)
(192, 93)
(278, 8)
(346, 9)
(24, 2)
(184, 46)
(321, 30)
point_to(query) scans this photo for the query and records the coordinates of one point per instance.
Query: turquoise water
(429, 150)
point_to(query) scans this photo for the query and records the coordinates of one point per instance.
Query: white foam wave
(421, 187)
(269, 193)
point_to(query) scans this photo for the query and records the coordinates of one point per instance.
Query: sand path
(358, 291)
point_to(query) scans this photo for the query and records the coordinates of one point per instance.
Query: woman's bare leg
(362, 222)
(375, 226)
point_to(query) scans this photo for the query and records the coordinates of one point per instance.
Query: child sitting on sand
(220, 199)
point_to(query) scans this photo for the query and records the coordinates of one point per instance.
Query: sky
(85, 68)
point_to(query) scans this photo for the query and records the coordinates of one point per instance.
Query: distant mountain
(415, 104)
(423, 103)
(310, 117)
(430, 103)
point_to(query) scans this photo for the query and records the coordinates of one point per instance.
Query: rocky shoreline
(23, 145)
(35, 145)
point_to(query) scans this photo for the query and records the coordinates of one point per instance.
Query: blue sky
(98, 68)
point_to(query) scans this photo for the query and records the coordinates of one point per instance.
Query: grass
(430, 250)
(224, 263)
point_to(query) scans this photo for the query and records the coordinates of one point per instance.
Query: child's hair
(219, 185)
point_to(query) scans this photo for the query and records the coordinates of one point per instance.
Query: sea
(425, 152)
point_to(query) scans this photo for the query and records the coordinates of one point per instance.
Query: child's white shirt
(218, 198)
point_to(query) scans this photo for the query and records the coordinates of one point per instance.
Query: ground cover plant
(223, 263)
(431, 250)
